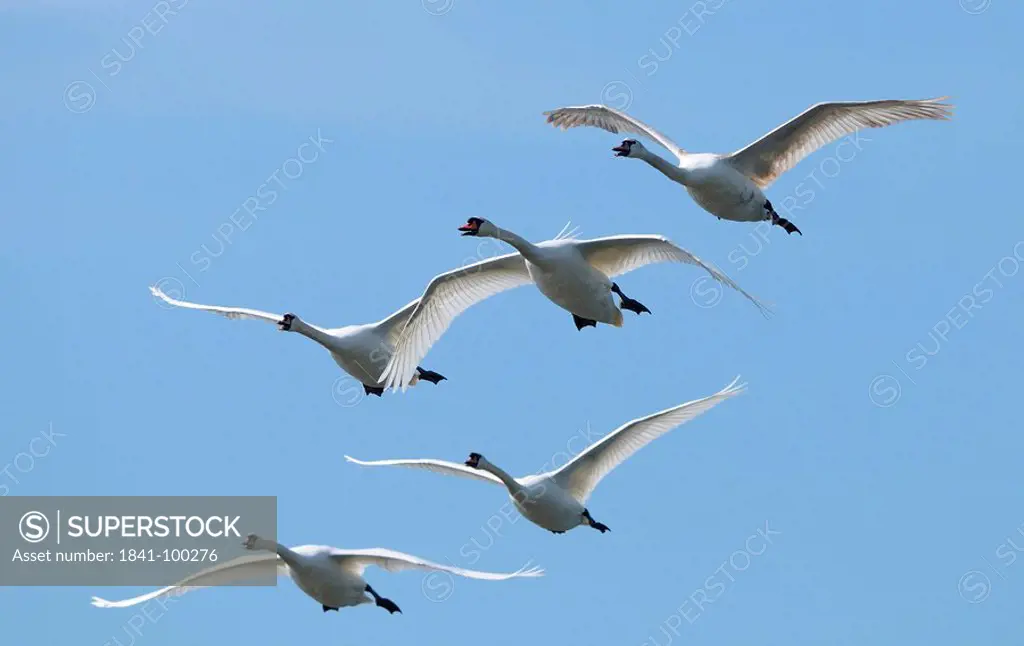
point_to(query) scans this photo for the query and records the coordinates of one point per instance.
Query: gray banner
(132, 540)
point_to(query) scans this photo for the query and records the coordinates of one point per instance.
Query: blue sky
(893, 483)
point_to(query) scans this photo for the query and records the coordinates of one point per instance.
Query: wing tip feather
(945, 109)
(734, 387)
(530, 571)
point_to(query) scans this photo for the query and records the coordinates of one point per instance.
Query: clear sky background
(890, 470)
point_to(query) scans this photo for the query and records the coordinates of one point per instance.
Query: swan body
(360, 350)
(329, 575)
(574, 274)
(730, 186)
(720, 189)
(314, 572)
(561, 273)
(546, 504)
(556, 500)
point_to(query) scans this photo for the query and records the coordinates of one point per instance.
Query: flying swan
(331, 576)
(730, 186)
(360, 350)
(574, 274)
(557, 500)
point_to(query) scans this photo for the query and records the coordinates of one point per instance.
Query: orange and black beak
(471, 227)
(622, 150)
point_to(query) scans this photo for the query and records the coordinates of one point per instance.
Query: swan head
(285, 324)
(628, 148)
(474, 460)
(254, 542)
(479, 227)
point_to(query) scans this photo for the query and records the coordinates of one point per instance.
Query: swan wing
(244, 568)
(781, 149)
(437, 466)
(391, 327)
(612, 120)
(356, 561)
(581, 475)
(447, 296)
(617, 255)
(230, 312)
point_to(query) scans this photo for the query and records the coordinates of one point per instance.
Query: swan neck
(287, 555)
(308, 331)
(509, 481)
(521, 244)
(667, 168)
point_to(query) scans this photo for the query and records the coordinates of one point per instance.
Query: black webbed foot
(388, 605)
(431, 376)
(601, 527)
(628, 303)
(789, 227)
(582, 322)
(633, 306)
(326, 608)
(374, 390)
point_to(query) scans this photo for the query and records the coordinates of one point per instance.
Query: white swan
(573, 274)
(556, 500)
(331, 576)
(730, 186)
(360, 350)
